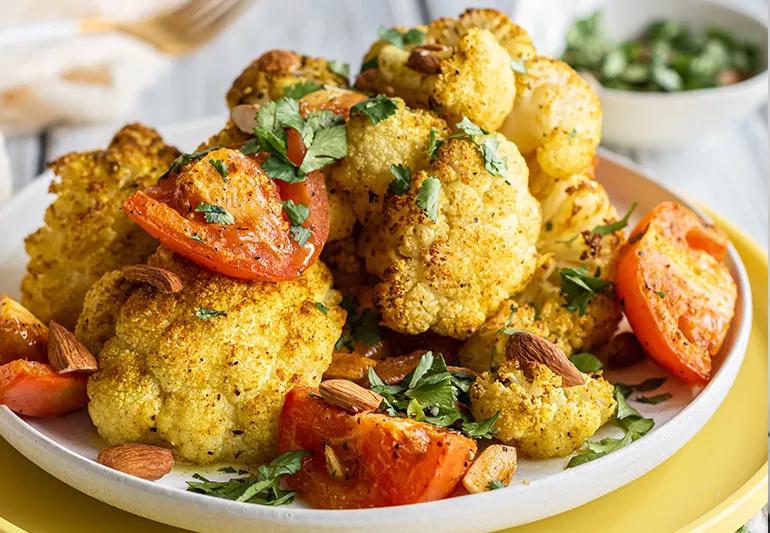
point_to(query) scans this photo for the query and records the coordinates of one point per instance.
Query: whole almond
(530, 349)
(160, 278)
(349, 396)
(424, 61)
(140, 460)
(66, 353)
(496, 463)
(245, 117)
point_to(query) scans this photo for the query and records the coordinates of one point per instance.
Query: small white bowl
(665, 120)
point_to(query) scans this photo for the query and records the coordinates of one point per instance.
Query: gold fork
(174, 32)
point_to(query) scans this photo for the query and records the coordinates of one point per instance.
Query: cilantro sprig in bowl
(668, 71)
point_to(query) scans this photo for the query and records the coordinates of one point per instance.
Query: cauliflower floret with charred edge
(268, 77)
(86, 232)
(448, 275)
(400, 139)
(571, 209)
(538, 416)
(556, 116)
(204, 371)
(473, 78)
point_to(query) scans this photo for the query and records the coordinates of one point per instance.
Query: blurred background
(71, 92)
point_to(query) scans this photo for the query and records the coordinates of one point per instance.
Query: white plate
(66, 447)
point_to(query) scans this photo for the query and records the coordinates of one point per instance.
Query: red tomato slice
(677, 294)
(381, 460)
(258, 245)
(35, 389)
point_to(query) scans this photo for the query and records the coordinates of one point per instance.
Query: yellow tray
(715, 483)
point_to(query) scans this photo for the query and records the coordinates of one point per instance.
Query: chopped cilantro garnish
(606, 229)
(586, 362)
(214, 214)
(548, 226)
(196, 237)
(660, 294)
(428, 196)
(204, 313)
(518, 66)
(399, 38)
(264, 487)
(183, 159)
(340, 68)
(487, 144)
(434, 143)
(321, 307)
(402, 179)
(372, 62)
(579, 288)
(495, 484)
(220, 167)
(328, 145)
(300, 234)
(301, 88)
(469, 128)
(481, 430)
(376, 108)
(647, 385)
(654, 400)
(494, 164)
(362, 326)
(297, 214)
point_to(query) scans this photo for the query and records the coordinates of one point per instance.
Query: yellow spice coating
(538, 416)
(86, 232)
(449, 275)
(211, 389)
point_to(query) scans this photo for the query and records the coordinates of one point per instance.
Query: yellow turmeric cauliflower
(204, 371)
(400, 139)
(268, 76)
(86, 232)
(448, 275)
(571, 209)
(539, 417)
(471, 78)
(556, 115)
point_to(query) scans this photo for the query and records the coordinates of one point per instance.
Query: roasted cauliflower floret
(538, 416)
(96, 323)
(556, 116)
(472, 78)
(571, 209)
(449, 274)
(204, 371)
(400, 139)
(268, 76)
(86, 233)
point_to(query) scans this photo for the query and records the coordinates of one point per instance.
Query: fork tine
(214, 19)
(210, 11)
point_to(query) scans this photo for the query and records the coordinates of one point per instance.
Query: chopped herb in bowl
(666, 57)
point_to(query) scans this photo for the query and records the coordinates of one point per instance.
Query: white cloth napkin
(72, 80)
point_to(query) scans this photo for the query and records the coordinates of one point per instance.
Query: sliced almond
(160, 278)
(66, 353)
(140, 460)
(349, 396)
(530, 349)
(424, 61)
(333, 464)
(496, 463)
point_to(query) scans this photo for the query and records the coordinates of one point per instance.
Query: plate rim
(102, 482)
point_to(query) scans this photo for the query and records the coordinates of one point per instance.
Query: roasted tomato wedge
(369, 459)
(334, 99)
(677, 294)
(35, 389)
(224, 213)
(22, 335)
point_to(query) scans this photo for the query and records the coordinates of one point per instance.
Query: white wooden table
(726, 171)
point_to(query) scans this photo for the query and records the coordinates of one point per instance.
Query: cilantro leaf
(624, 410)
(370, 63)
(595, 450)
(586, 362)
(205, 313)
(282, 170)
(484, 429)
(220, 167)
(518, 66)
(428, 197)
(578, 288)
(340, 68)
(434, 143)
(402, 179)
(301, 88)
(297, 213)
(647, 385)
(399, 38)
(360, 326)
(321, 307)
(376, 108)
(495, 165)
(469, 128)
(262, 488)
(495, 484)
(214, 214)
(606, 229)
(329, 144)
(300, 234)
(654, 400)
